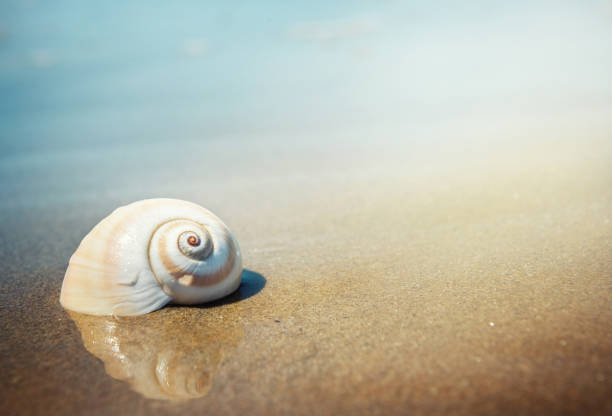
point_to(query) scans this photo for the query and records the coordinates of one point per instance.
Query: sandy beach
(371, 287)
(422, 194)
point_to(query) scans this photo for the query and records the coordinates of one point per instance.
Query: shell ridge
(130, 282)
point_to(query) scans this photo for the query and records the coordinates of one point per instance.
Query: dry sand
(479, 287)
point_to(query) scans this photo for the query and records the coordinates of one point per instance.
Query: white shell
(149, 253)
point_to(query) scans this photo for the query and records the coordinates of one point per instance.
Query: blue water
(94, 92)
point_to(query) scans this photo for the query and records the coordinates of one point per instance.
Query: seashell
(148, 253)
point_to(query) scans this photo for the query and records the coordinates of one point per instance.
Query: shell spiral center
(196, 243)
(191, 260)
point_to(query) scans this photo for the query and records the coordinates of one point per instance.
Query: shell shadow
(252, 283)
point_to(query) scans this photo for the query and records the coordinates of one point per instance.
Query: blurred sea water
(133, 99)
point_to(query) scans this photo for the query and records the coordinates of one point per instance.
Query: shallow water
(424, 209)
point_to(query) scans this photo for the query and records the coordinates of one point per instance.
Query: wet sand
(376, 283)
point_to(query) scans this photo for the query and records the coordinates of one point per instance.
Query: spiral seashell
(148, 253)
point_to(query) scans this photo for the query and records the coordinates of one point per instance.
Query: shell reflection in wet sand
(169, 355)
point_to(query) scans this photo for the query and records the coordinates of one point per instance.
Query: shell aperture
(148, 253)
